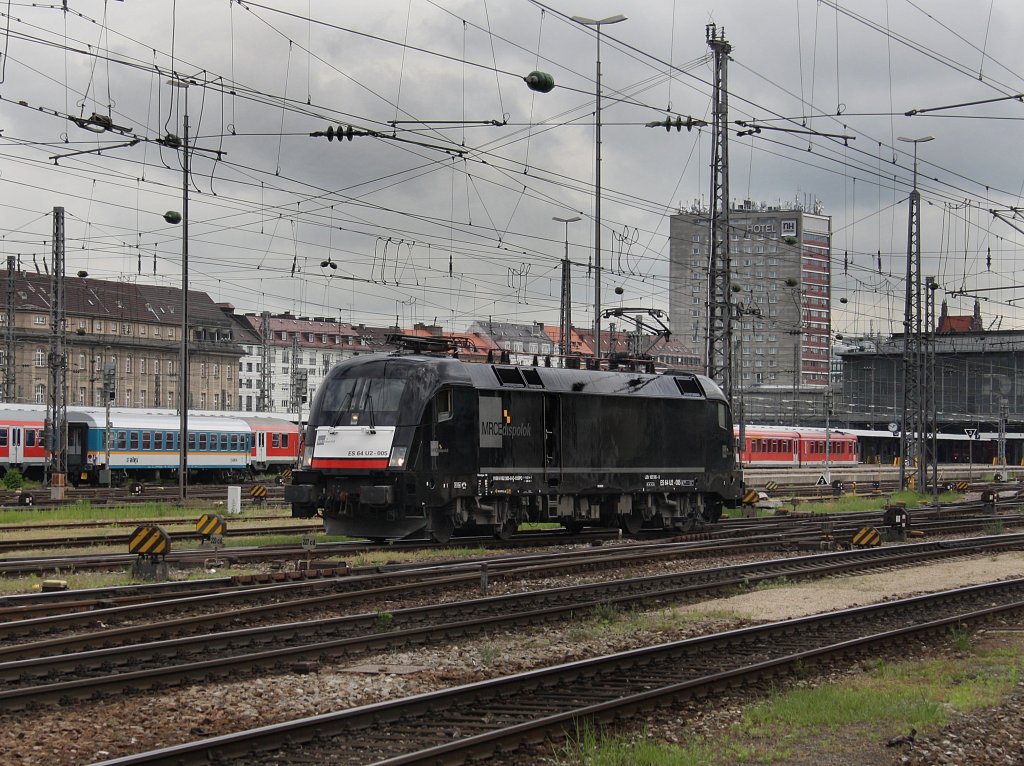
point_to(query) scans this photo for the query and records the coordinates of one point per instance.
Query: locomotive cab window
(443, 405)
(689, 386)
(362, 402)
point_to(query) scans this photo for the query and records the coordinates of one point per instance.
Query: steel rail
(507, 713)
(31, 678)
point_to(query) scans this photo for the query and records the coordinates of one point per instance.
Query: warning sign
(821, 482)
(970, 432)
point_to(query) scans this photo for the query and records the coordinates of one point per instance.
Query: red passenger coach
(783, 446)
(275, 442)
(21, 439)
(764, 447)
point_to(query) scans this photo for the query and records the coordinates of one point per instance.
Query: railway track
(149, 493)
(70, 610)
(175, 652)
(78, 541)
(801, 530)
(474, 721)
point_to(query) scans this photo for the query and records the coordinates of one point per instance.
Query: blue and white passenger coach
(145, 444)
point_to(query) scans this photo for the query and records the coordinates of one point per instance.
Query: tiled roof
(120, 301)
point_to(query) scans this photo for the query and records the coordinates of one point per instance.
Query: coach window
(122, 440)
(158, 441)
(30, 437)
(135, 440)
(275, 440)
(443, 405)
(202, 442)
(191, 442)
(146, 440)
(170, 440)
(284, 441)
(3, 437)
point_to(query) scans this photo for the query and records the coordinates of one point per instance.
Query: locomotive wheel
(505, 530)
(630, 523)
(687, 525)
(712, 512)
(572, 526)
(441, 527)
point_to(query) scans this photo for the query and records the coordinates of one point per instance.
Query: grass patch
(601, 748)
(995, 528)
(87, 580)
(860, 504)
(890, 698)
(376, 558)
(129, 514)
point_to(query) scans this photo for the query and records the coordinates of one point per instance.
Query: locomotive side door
(552, 440)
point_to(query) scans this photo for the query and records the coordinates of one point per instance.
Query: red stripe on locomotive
(338, 462)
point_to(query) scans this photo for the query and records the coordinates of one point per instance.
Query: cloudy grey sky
(444, 211)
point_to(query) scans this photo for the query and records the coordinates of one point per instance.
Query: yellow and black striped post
(210, 524)
(771, 486)
(258, 494)
(149, 540)
(868, 537)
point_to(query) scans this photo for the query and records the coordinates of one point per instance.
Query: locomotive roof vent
(518, 376)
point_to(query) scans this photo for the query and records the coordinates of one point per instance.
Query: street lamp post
(183, 454)
(183, 363)
(565, 314)
(597, 24)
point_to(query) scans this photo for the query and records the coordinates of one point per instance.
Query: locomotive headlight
(307, 456)
(398, 457)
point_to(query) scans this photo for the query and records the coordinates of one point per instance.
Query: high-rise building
(780, 265)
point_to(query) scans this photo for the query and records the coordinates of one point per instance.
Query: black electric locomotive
(414, 445)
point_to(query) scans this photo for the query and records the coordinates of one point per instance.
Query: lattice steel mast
(718, 350)
(56, 407)
(913, 437)
(10, 348)
(263, 401)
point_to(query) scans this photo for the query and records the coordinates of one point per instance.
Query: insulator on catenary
(541, 82)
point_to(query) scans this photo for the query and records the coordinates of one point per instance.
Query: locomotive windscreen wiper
(343, 410)
(369, 406)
